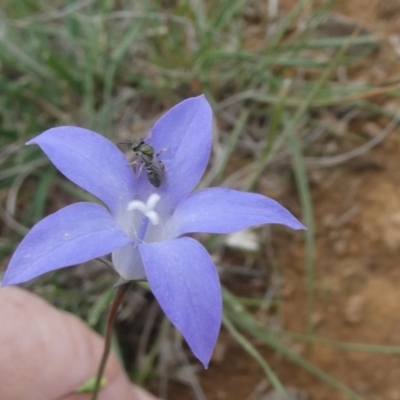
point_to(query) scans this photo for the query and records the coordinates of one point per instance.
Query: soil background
(357, 218)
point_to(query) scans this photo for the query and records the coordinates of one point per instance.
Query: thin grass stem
(119, 295)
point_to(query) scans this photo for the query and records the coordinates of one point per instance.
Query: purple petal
(185, 282)
(222, 210)
(184, 135)
(73, 235)
(91, 161)
(128, 263)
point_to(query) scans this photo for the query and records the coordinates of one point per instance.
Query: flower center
(149, 215)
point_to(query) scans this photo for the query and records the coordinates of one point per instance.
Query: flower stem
(119, 294)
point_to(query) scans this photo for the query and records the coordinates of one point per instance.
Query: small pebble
(354, 309)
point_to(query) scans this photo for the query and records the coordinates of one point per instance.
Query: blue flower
(144, 227)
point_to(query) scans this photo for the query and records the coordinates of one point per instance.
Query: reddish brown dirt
(358, 279)
(358, 263)
(357, 291)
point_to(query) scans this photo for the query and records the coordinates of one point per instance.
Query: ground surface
(357, 215)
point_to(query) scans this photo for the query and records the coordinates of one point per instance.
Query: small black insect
(155, 168)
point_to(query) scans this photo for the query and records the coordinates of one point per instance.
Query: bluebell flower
(142, 226)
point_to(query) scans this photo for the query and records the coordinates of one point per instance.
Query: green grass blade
(303, 189)
(252, 351)
(364, 347)
(241, 318)
(230, 146)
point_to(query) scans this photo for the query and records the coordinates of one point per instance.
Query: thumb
(47, 353)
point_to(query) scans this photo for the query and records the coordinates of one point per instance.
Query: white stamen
(147, 209)
(153, 200)
(153, 217)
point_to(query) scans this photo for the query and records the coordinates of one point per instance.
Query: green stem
(119, 294)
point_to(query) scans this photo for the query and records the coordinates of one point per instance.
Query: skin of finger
(47, 353)
(116, 390)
